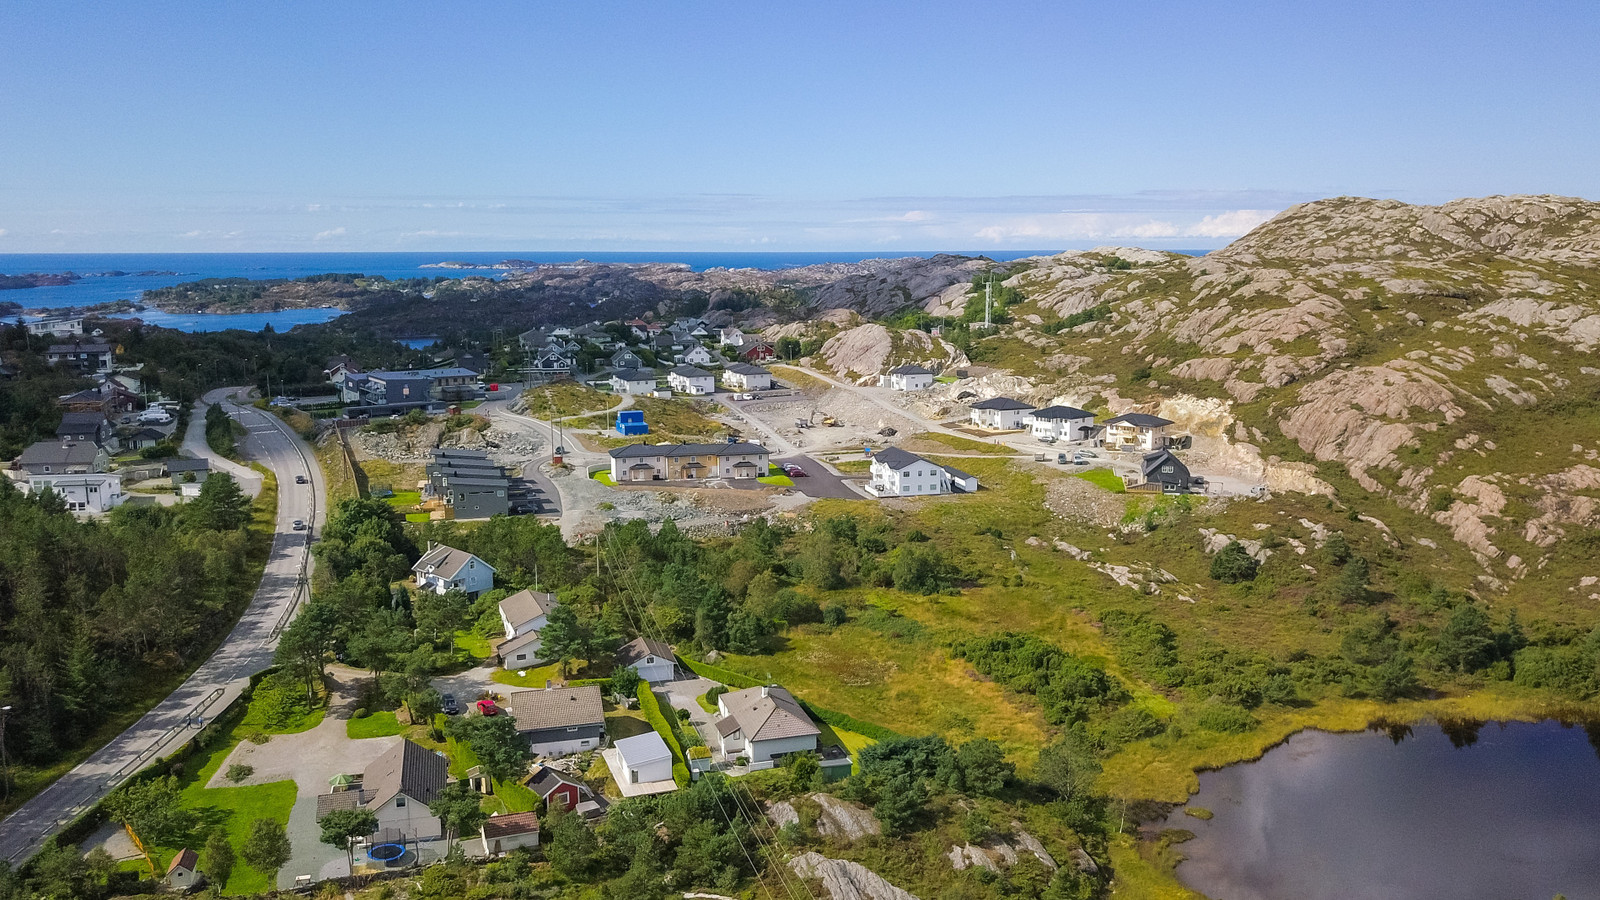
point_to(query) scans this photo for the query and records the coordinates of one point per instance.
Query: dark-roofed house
(742, 376)
(961, 482)
(909, 378)
(1000, 413)
(63, 458)
(899, 473)
(443, 569)
(690, 380)
(523, 614)
(1061, 423)
(555, 786)
(764, 723)
(184, 872)
(633, 381)
(1137, 431)
(671, 462)
(84, 426)
(93, 358)
(626, 359)
(181, 468)
(653, 660)
(502, 834)
(560, 721)
(1161, 471)
(397, 787)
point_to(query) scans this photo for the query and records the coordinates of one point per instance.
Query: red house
(757, 352)
(557, 787)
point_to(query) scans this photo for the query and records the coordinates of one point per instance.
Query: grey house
(84, 426)
(59, 458)
(1161, 471)
(560, 721)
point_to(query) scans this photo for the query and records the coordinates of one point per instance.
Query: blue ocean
(146, 271)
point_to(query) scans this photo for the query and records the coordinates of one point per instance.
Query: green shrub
(239, 772)
(1225, 718)
(1233, 564)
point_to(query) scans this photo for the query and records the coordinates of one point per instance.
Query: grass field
(404, 499)
(961, 444)
(777, 480)
(566, 398)
(1104, 478)
(604, 478)
(475, 645)
(383, 723)
(798, 379)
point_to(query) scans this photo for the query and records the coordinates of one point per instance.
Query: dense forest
(96, 614)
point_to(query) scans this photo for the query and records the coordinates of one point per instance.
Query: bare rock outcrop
(845, 880)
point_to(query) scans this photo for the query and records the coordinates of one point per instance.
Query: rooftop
(1002, 403)
(631, 451)
(526, 605)
(556, 707)
(1062, 412)
(767, 713)
(1138, 420)
(445, 561)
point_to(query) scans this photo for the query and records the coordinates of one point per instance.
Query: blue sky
(822, 126)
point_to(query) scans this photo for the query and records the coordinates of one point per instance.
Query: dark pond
(1496, 812)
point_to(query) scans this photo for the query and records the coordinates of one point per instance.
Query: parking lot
(820, 482)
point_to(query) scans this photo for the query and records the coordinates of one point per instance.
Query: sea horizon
(94, 288)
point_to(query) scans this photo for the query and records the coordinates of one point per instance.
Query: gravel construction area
(692, 508)
(504, 445)
(1079, 501)
(861, 419)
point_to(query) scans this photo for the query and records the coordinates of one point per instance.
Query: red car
(487, 707)
(793, 471)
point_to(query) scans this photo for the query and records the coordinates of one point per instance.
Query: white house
(746, 377)
(523, 614)
(897, 473)
(732, 336)
(961, 482)
(443, 569)
(686, 462)
(1140, 431)
(644, 758)
(690, 380)
(59, 326)
(633, 381)
(89, 492)
(653, 660)
(763, 723)
(1000, 413)
(505, 833)
(397, 787)
(184, 872)
(1061, 423)
(698, 356)
(909, 378)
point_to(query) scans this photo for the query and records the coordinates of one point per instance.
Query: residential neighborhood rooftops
(896, 459)
(740, 368)
(634, 375)
(1002, 403)
(691, 372)
(1154, 461)
(766, 713)
(185, 464)
(1062, 412)
(545, 779)
(445, 562)
(511, 825)
(81, 348)
(446, 372)
(557, 707)
(957, 473)
(631, 451)
(526, 605)
(641, 648)
(80, 420)
(1138, 420)
(409, 769)
(910, 370)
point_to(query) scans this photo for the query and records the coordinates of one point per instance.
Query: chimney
(766, 691)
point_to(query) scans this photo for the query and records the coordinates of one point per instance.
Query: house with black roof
(1137, 431)
(688, 462)
(1164, 473)
(908, 378)
(1061, 423)
(900, 473)
(1000, 413)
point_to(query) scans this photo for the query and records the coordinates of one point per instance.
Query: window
(400, 802)
(1166, 470)
(572, 729)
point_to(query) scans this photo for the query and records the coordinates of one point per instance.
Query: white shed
(645, 758)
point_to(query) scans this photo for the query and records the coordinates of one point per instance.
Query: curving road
(247, 649)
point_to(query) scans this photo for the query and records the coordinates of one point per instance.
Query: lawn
(532, 678)
(475, 645)
(565, 398)
(626, 723)
(404, 499)
(1104, 478)
(777, 480)
(604, 477)
(418, 517)
(383, 723)
(964, 445)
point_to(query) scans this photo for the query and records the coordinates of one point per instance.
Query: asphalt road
(247, 649)
(820, 481)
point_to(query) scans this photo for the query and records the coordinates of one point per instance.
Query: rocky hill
(1441, 358)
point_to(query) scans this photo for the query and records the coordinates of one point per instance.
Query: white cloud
(917, 215)
(3, 232)
(1230, 224)
(1078, 227)
(191, 234)
(330, 233)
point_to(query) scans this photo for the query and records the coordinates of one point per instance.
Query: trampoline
(388, 854)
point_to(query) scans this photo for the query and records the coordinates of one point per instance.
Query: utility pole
(988, 302)
(5, 764)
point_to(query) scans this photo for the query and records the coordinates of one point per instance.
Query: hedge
(583, 682)
(836, 719)
(706, 670)
(652, 714)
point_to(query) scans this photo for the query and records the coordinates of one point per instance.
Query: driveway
(681, 694)
(820, 481)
